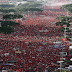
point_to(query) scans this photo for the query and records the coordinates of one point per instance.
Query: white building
(12, 2)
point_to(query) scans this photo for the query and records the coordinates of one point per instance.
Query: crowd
(31, 45)
(32, 55)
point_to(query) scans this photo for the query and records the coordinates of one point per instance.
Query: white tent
(71, 59)
(6, 54)
(60, 61)
(57, 42)
(70, 67)
(70, 47)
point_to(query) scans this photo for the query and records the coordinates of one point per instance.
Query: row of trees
(7, 5)
(8, 23)
(29, 9)
(12, 16)
(7, 10)
(63, 18)
(6, 29)
(28, 6)
(21, 9)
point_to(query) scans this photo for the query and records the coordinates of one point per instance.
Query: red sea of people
(31, 45)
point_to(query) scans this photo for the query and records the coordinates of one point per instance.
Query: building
(4, 2)
(12, 2)
(8, 2)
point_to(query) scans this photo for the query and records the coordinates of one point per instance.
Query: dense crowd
(31, 45)
(33, 55)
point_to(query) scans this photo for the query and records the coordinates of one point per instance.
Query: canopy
(60, 61)
(6, 54)
(70, 65)
(18, 52)
(71, 59)
(64, 39)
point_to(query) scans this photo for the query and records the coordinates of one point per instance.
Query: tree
(7, 5)
(62, 23)
(62, 29)
(6, 10)
(12, 16)
(23, 9)
(68, 7)
(6, 29)
(8, 23)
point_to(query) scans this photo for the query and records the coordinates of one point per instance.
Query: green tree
(8, 23)
(30, 9)
(62, 23)
(6, 29)
(62, 28)
(7, 5)
(67, 7)
(6, 10)
(11, 16)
